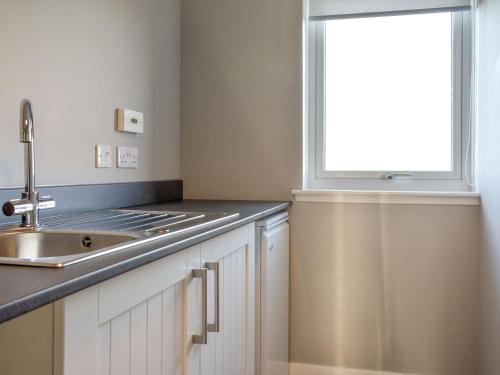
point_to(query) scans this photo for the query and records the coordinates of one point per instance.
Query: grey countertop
(23, 289)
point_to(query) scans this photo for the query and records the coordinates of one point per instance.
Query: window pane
(388, 93)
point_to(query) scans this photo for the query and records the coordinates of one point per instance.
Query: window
(388, 99)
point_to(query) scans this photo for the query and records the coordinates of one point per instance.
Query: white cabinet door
(145, 339)
(231, 350)
(132, 324)
(193, 289)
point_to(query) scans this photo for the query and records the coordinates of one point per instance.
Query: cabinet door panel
(154, 335)
(123, 292)
(220, 338)
(234, 308)
(231, 350)
(104, 348)
(225, 325)
(228, 349)
(173, 328)
(208, 351)
(230, 242)
(146, 339)
(138, 339)
(241, 294)
(76, 334)
(120, 344)
(193, 324)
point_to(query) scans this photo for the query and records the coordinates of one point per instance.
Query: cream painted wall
(489, 182)
(26, 343)
(385, 287)
(241, 102)
(78, 61)
(373, 286)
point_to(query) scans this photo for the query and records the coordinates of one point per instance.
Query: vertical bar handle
(214, 266)
(202, 274)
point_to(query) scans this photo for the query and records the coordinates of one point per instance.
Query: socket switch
(103, 156)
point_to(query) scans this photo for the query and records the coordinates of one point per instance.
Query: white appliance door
(274, 300)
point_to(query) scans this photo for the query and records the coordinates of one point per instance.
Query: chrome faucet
(30, 204)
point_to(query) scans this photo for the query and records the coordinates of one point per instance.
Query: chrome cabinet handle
(214, 266)
(202, 274)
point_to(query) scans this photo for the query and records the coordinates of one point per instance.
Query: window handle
(391, 176)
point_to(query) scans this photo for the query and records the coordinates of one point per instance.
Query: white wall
(373, 286)
(77, 61)
(489, 182)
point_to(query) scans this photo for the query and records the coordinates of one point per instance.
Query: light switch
(130, 121)
(127, 157)
(103, 156)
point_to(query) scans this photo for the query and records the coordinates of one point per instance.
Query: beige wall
(78, 61)
(385, 287)
(373, 286)
(26, 343)
(241, 103)
(489, 182)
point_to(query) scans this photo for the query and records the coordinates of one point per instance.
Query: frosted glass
(388, 93)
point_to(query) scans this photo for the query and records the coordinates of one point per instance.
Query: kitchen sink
(52, 248)
(68, 239)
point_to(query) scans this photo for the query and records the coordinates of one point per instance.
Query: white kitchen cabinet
(131, 324)
(230, 348)
(143, 321)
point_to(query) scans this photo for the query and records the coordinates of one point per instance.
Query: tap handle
(8, 209)
(46, 203)
(16, 207)
(23, 206)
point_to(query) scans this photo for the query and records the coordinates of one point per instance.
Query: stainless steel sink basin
(52, 248)
(69, 239)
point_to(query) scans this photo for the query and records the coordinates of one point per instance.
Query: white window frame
(315, 175)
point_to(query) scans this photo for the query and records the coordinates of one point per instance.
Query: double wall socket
(127, 157)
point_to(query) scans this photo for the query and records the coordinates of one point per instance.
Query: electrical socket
(127, 157)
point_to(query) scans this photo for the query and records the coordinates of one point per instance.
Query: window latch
(391, 176)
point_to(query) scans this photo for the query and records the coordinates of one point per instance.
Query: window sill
(447, 198)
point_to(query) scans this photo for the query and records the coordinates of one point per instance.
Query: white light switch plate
(130, 121)
(127, 157)
(103, 156)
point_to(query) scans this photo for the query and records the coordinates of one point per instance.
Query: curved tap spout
(30, 204)
(27, 136)
(26, 133)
